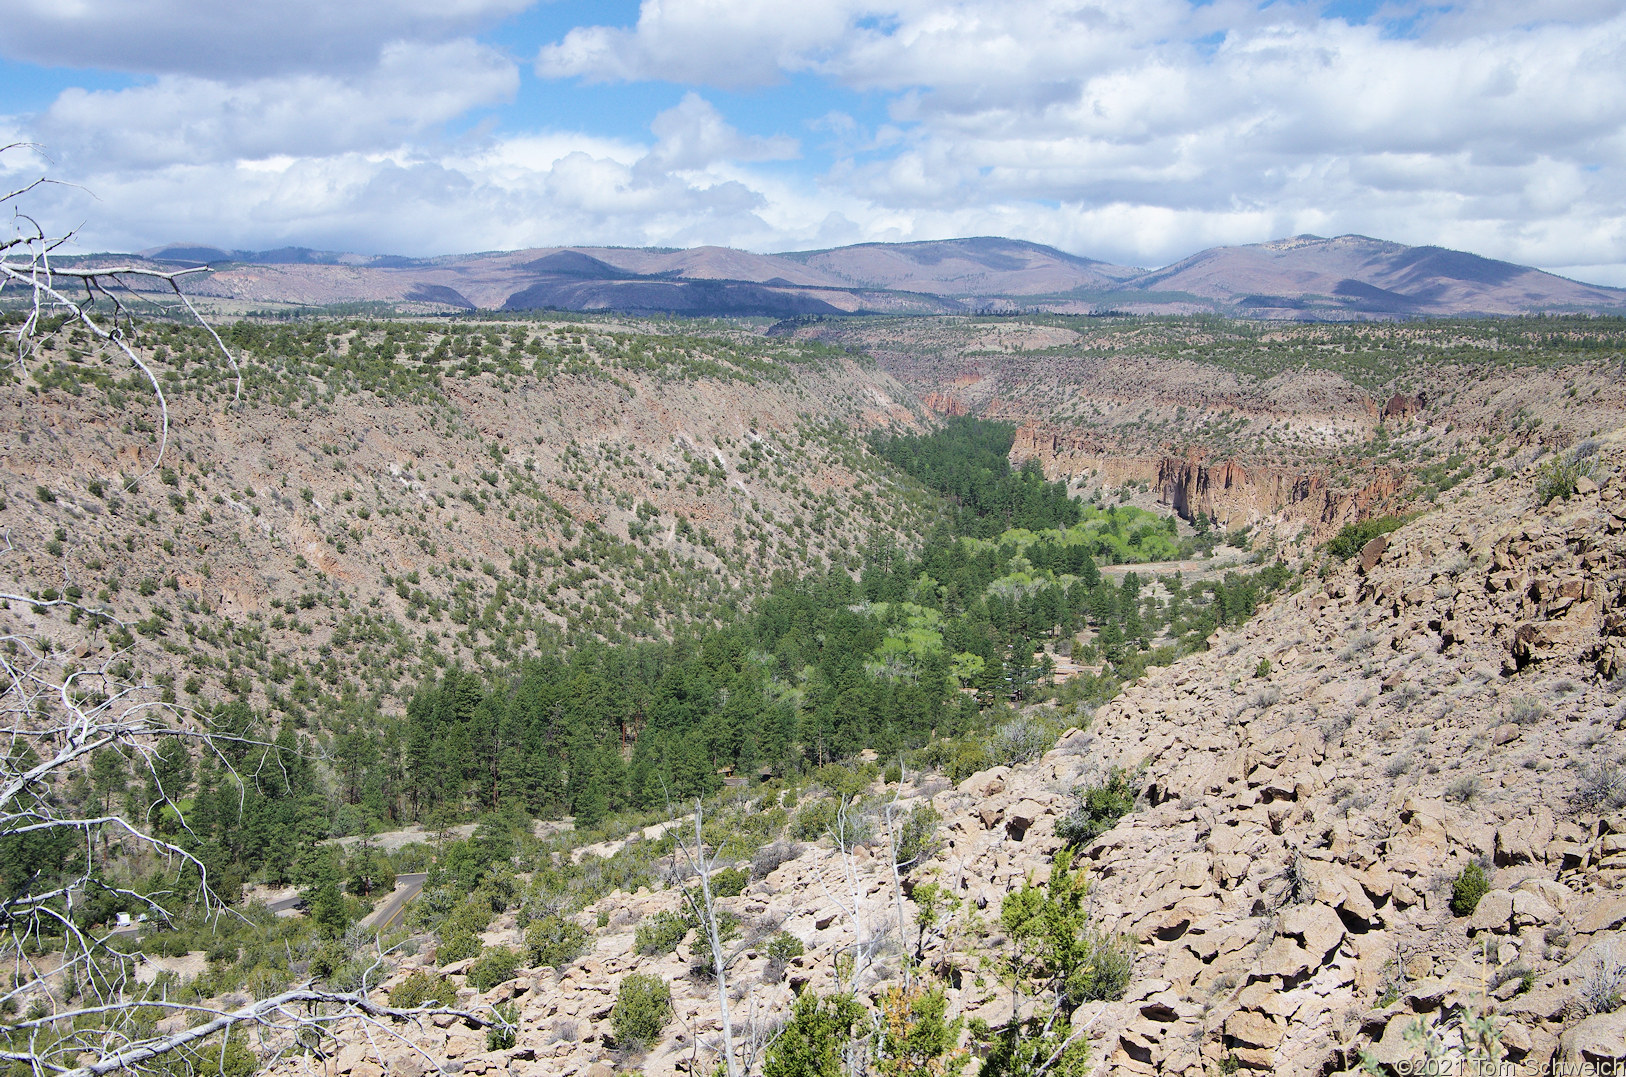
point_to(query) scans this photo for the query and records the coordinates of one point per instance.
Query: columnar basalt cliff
(1072, 454)
(943, 404)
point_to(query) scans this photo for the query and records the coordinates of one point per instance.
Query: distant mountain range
(1305, 277)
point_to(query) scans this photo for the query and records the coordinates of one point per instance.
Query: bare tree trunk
(897, 881)
(705, 911)
(719, 962)
(843, 834)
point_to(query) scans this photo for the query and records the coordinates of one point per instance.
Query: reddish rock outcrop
(1070, 453)
(1232, 494)
(1228, 492)
(1401, 406)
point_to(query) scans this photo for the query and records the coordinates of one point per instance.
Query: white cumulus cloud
(1132, 130)
(180, 119)
(229, 38)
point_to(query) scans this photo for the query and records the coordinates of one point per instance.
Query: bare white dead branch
(705, 912)
(25, 265)
(277, 1012)
(77, 1007)
(844, 834)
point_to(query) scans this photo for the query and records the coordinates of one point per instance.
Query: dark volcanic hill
(1305, 277)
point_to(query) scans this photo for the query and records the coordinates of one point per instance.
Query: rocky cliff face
(1230, 493)
(943, 404)
(1233, 495)
(1069, 454)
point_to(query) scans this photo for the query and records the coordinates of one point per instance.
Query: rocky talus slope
(1310, 789)
(1316, 782)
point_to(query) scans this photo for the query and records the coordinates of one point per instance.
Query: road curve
(406, 888)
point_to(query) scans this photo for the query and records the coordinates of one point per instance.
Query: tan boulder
(1317, 925)
(1493, 913)
(1267, 998)
(1516, 1039)
(1253, 1029)
(1608, 914)
(1560, 637)
(1021, 817)
(1524, 841)
(1142, 1041)
(1532, 909)
(349, 1057)
(1599, 1040)
(986, 783)
(408, 1065)
(1286, 958)
(1395, 1048)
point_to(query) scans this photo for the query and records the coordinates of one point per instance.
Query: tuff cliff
(1234, 495)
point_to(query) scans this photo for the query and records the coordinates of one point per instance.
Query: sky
(1133, 131)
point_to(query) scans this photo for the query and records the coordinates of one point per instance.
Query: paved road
(286, 905)
(406, 888)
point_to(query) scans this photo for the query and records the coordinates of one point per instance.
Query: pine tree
(326, 903)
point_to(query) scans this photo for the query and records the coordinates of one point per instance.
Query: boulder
(408, 1065)
(1531, 909)
(1599, 1040)
(986, 783)
(349, 1057)
(1250, 1028)
(1164, 1006)
(1493, 913)
(1021, 817)
(1395, 1048)
(1287, 959)
(1317, 925)
(1608, 914)
(1372, 553)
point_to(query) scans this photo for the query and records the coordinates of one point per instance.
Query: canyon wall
(1230, 493)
